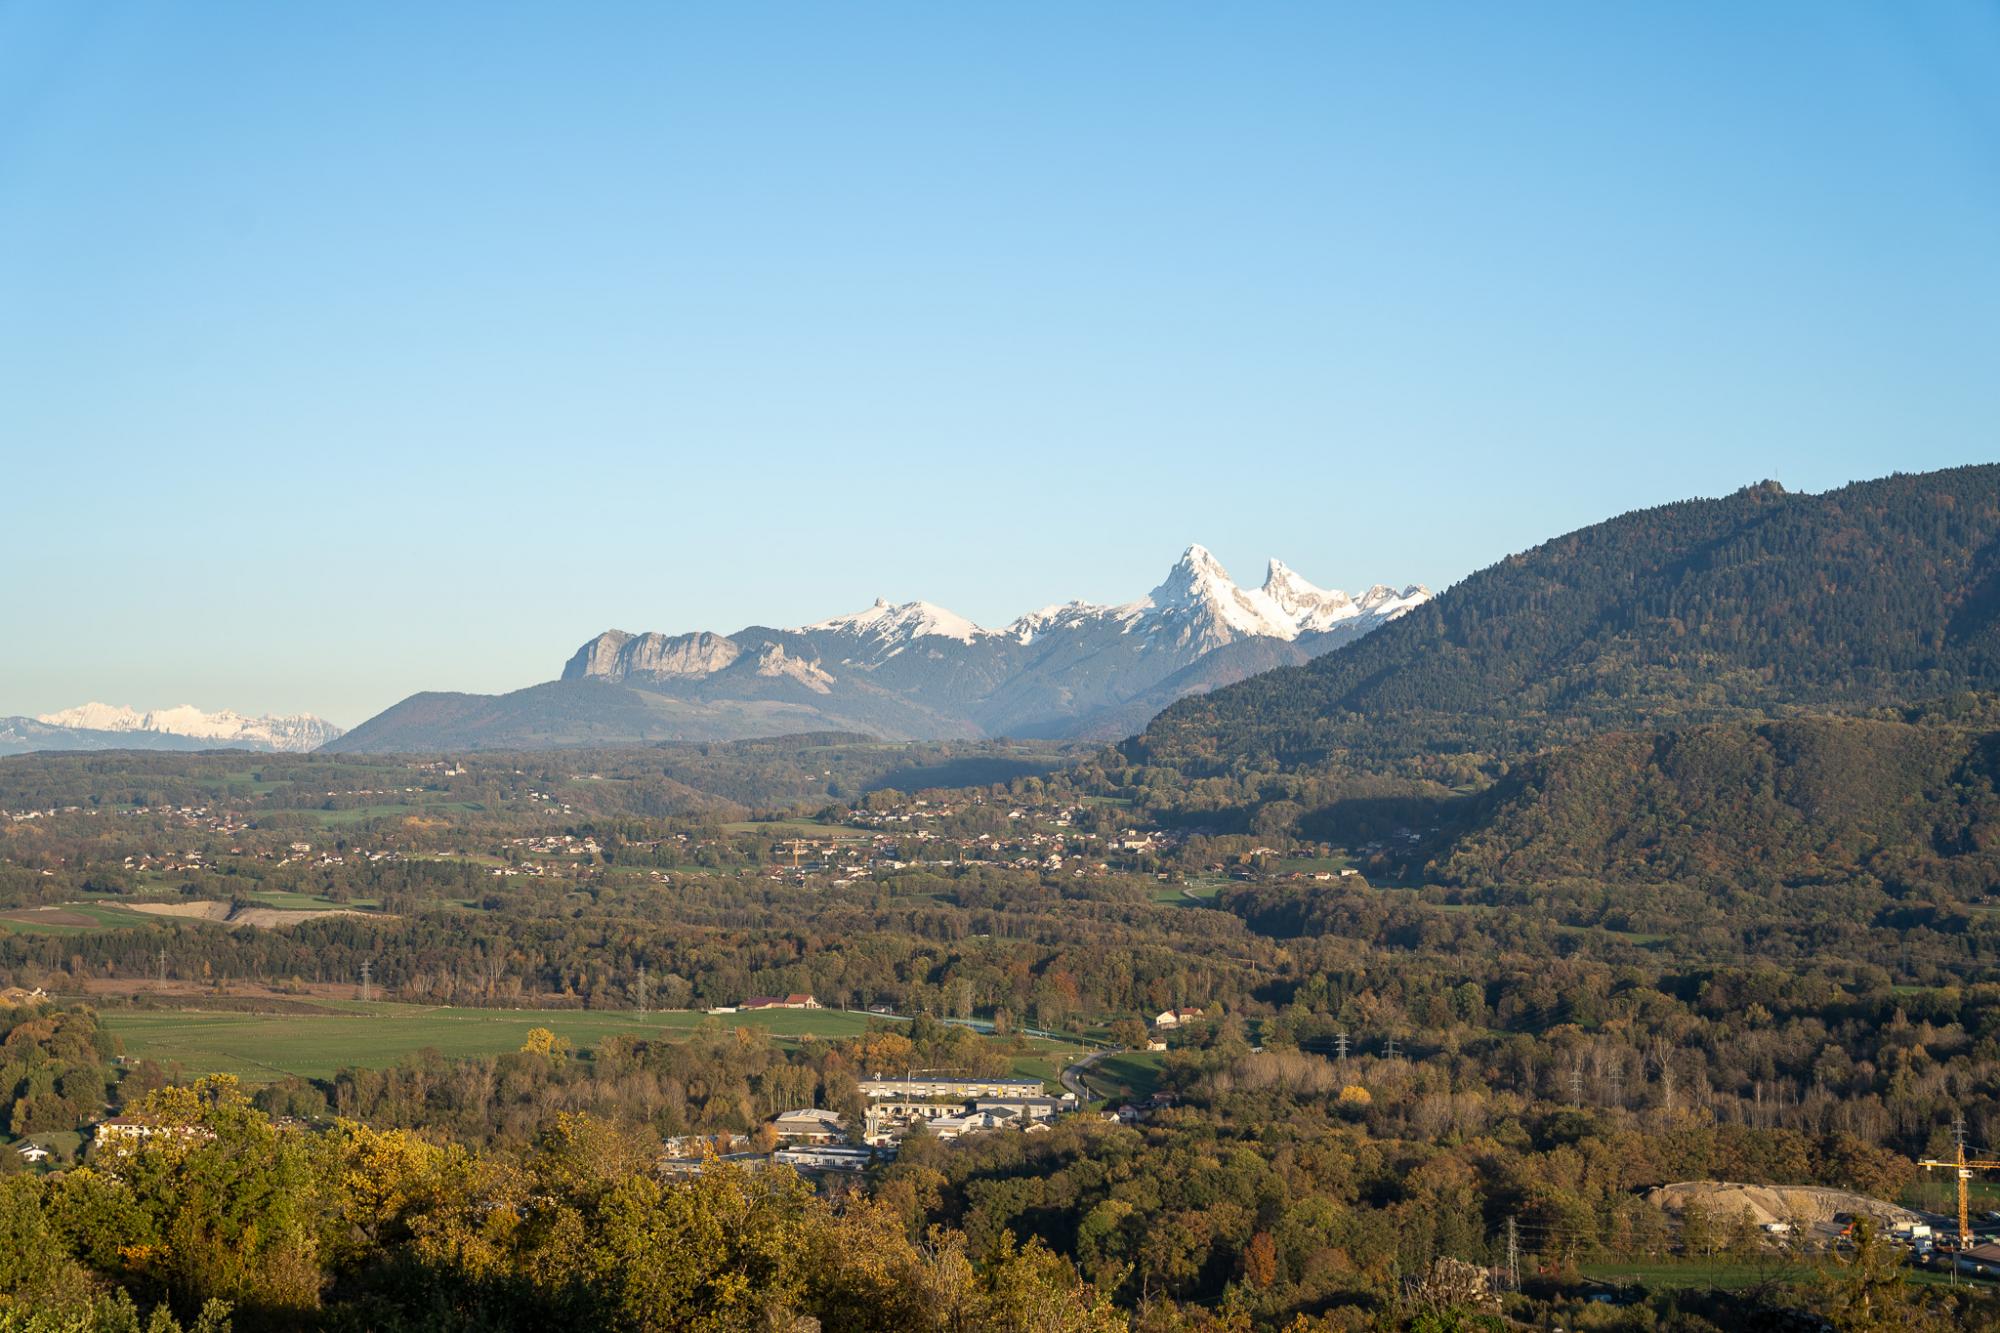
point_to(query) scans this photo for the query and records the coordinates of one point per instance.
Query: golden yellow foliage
(541, 1041)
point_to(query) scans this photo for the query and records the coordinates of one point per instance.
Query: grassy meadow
(261, 1048)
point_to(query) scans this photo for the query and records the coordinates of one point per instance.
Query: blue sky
(349, 350)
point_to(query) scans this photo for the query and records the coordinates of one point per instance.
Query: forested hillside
(465, 997)
(1910, 808)
(1762, 603)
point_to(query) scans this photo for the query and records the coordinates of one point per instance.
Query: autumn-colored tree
(1129, 1033)
(214, 1203)
(1260, 1261)
(541, 1041)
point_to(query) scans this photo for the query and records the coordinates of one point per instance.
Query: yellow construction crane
(1964, 1166)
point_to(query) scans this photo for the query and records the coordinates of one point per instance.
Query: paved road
(1072, 1077)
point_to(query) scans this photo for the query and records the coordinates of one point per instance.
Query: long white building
(963, 1089)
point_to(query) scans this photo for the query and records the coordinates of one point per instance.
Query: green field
(1709, 1275)
(260, 1048)
(101, 916)
(64, 1143)
(363, 813)
(1125, 1077)
(1194, 893)
(1045, 1060)
(1732, 1275)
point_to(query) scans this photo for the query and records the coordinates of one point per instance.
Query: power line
(1576, 1087)
(642, 988)
(367, 967)
(1340, 1045)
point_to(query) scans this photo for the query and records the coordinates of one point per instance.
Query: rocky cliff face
(615, 655)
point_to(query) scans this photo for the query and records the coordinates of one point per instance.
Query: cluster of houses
(117, 1136)
(1131, 1113)
(813, 1139)
(23, 816)
(557, 844)
(950, 1107)
(121, 1134)
(1040, 837)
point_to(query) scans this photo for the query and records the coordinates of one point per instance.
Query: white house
(969, 1122)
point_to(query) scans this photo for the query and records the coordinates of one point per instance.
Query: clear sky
(353, 349)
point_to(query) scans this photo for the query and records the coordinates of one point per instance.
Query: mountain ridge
(1762, 603)
(913, 670)
(101, 726)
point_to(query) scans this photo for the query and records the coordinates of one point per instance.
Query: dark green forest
(1880, 594)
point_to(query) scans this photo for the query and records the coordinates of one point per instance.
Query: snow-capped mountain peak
(95, 716)
(916, 669)
(297, 733)
(911, 620)
(1200, 589)
(1283, 585)
(1383, 600)
(1306, 606)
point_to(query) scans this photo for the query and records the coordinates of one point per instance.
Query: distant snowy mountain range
(913, 670)
(96, 726)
